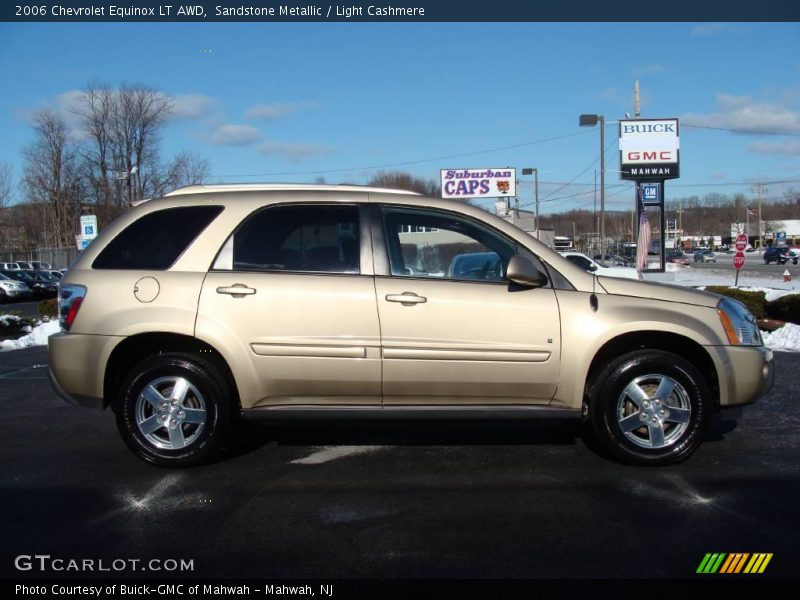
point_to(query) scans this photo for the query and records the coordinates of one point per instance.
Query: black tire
(2, 295)
(205, 397)
(683, 415)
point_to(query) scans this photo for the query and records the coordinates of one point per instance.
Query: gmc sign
(649, 148)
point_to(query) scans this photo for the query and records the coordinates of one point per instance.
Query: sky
(293, 102)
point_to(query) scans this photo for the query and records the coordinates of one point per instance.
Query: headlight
(739, 323)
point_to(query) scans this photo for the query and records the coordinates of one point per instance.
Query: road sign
(738, 260)
(741, 244)
(89, 226)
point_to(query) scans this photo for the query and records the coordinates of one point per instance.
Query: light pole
(535, 173)
(591, 121)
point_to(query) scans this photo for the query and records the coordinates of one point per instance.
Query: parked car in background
(12, 289)
(779, 255)
(24, 265)
(38, 285)
(38, 265)
(56, 275)
(9, 266)
(676, 257)
(614, 260)
(477, 265)
(587, 264)
(271, 301)
(704, 255)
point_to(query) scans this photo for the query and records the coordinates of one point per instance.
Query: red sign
(738, 260)
(741, 243)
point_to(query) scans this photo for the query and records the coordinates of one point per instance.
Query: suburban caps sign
(479, 183)
(649, 149)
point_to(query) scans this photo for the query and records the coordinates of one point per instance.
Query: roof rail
(280, 187)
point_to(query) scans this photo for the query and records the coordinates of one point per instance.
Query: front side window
(305, 238)
(424, 243)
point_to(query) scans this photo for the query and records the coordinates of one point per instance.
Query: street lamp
(535, 173)
(591, 121)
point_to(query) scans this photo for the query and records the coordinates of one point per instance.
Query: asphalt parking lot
(392, 500)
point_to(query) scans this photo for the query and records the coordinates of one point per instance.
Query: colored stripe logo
(735, 562)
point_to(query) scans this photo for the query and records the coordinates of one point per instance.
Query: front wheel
(173, 410)
(650, 407)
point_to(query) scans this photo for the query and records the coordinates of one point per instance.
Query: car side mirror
(523, 272)
(593, 268)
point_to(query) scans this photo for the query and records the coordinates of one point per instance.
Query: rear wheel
(173, 410)
(650, 408)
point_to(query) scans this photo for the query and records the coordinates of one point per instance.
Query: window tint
(299, 238)
(436, 244)
(156, 240)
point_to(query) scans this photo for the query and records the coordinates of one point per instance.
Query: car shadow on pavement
(250, 436)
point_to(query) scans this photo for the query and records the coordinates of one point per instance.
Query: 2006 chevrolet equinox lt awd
(216, 302)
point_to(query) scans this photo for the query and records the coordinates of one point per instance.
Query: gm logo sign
(651, 193)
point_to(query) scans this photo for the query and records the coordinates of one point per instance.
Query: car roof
(281, 187)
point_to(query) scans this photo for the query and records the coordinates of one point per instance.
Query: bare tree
(400, 180)
(95, 107)
(51, 177)
(6, 177)
(185, 169)
(123, 126)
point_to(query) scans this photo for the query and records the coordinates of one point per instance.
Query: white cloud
(294, 152)
(191, 106)
(791, 148)
(742, 112)
(235, 135)
(276, 110)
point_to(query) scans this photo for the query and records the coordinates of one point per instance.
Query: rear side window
(155, 241)
(307, 238)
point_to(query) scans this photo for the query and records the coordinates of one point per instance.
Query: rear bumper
(74, 399)
(77, 366)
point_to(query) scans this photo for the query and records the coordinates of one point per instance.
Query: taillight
(70, 300)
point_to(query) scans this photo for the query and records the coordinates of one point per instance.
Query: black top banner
(401, 11)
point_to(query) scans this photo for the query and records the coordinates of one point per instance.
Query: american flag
(751, 212)
(643, 243)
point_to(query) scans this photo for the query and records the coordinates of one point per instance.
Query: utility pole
(636, 112)
(759, 193)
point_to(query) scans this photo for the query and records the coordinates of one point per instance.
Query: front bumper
(751, 374)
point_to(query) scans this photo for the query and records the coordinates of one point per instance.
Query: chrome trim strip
(310, 351)
(482, 355)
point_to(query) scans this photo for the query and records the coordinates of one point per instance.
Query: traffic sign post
(738, 263)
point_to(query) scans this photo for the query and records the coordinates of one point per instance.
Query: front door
(453, 329)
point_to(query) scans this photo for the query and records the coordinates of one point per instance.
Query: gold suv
(217, 302)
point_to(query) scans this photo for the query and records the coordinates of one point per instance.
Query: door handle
(406, 298)
(237, 290)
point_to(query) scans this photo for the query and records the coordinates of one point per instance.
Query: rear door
(292, 298)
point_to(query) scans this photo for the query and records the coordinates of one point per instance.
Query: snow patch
(37, 337)
(786, 338)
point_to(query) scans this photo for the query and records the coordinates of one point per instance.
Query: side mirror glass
(523, 272)
(593, 268)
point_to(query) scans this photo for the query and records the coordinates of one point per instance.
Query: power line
(409, 162)
(737, 130)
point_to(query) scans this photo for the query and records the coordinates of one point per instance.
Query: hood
(658, 291)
